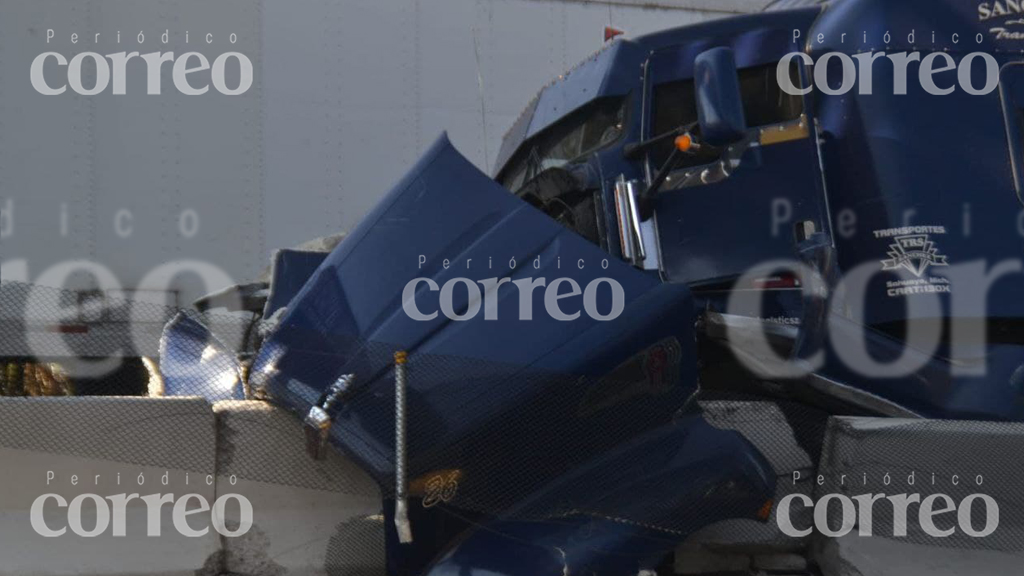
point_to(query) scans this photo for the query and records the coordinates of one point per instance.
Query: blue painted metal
(888, 159)
(291, 269)
(877, 162)
(614, 71)
(684, 462)
(885, 164)
(496, 387)
(719, 101)
(951, 161)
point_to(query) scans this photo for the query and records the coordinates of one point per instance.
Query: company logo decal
(1011, 9)
(441, 488)
(915, 252)
(988, 10)
(913, 249)
(650, 373)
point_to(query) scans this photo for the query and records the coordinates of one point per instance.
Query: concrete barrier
(315, 517)
(104, 446)
(308, 517)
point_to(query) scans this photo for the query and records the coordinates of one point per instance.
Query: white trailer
(345, 96)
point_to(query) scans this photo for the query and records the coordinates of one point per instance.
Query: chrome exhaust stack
(402, 524)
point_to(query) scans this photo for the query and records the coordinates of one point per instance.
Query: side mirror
(719, 101)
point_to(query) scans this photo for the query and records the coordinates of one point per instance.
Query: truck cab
(843, 175)
(604, 123)
(728, 159)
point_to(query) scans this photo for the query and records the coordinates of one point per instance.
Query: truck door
(721, 213)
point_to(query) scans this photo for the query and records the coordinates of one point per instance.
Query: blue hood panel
(461, 224)
(290, 271)
(508, 418)
(349, 317)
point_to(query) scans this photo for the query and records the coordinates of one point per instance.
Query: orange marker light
(610, 33)
(684, 142)
(766, 510)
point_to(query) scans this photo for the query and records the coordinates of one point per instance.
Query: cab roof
(614, 69)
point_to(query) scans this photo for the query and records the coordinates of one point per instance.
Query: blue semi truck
(721, 273)
(699, 248)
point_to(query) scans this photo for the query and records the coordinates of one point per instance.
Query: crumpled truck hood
(446, 220)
